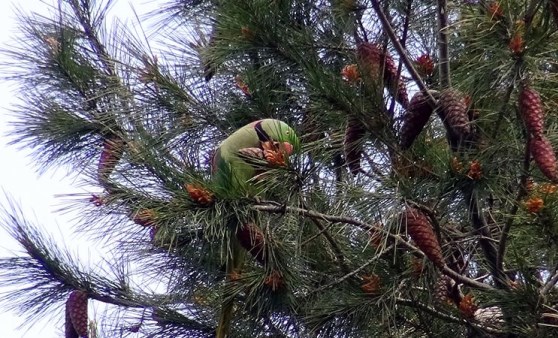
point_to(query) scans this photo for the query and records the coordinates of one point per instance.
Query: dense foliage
(422, 202)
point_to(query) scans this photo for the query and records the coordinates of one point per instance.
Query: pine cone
(113, 148)
(442, 290)
(252, 239)
(530, 106)
(274, 281)
(145, 217)
(374, 59)
(415, 119)
(199, 194)
(420, 230)
(453, 112)
(69, 330)
(76, 308)
(371, 284)
(544, 156)
(467, 306)
(425, 65)
(352, 144)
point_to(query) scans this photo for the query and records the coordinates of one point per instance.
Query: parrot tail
(235, 260)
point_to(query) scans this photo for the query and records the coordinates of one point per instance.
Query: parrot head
(279, 133)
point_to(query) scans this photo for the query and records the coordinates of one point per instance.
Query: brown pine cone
(113, 148)
(442, 290)
(69, 331)
(252, 239)
(452, 110)
(420, 230)
(530, 106)
(76, 307)
(353, 144)
(415, 119)
(373, 58)
(543, 154)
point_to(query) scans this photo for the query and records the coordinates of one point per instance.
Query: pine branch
(549, 285)
(481, 227)
(273, 208)
(401, 51)
(350, 274)
(49, 273)
(443, 45)
(522, 191)
(83, 14)
(444, 316)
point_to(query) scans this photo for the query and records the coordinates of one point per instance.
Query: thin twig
(96, 44)
(443, 47)
(274, 208)
(350, 274)
(507, 226)
(402, 52)
(400, 64)
(481, 227)
(441, 315)
(550, 284)
(334, 246)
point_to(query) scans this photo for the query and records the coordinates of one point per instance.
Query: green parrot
(232, 173)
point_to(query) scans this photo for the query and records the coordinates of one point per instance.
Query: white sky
(19, 178)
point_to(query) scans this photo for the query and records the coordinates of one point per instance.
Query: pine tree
(328, 250)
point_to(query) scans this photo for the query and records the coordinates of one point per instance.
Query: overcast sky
(39, 195)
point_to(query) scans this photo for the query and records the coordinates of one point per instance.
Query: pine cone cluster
(76, 315)
(420, 230)
(453, 112)
(414, 119)
(275, 154)
(531, 109)
(352, 144)
(467, 306)
(146, 218)
(371, 284)
(425, 65)
(251, 238)
(199, 194)
(530, 106)
(544, 157)
(274, 281)
(374, 58)
(113, 149)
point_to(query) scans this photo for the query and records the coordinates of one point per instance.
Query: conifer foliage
(386, 220)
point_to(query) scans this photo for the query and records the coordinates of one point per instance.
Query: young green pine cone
(420, 230)
(530, 106)
(353, 144)
(76, 309)
(373, 58)
(415, 119)
(544, 157)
